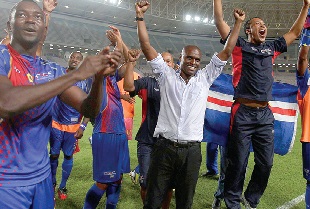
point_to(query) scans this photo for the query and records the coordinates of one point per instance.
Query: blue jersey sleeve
(280, 45)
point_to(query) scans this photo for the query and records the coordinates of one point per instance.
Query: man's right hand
(141, 7)
(133, 55)
(102, 64)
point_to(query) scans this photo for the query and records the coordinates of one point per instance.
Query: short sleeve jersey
(23, 138)
(65, 114)
(111, 118)
(252, 68)
(151, 105)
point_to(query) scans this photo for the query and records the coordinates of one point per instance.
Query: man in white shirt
(176, 156)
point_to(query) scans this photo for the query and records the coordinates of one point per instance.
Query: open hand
(49, 5)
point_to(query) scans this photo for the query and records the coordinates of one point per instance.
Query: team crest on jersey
(110, 173)
(266, 51)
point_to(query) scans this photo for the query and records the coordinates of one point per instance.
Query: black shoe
(210, 175)
(246, 203)
(216, 204)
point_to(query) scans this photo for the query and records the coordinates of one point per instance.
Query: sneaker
(216, 203)
(246, 203)
(62, 193)
(90, 139)
(210, 175)
(134, 177)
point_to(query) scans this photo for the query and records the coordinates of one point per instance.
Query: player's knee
(54, 157)
(68, 157)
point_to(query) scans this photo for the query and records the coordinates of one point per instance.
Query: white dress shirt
(182, 106)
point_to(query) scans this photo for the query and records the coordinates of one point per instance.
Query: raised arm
(302, 62)
(115, 37)
(48, 7)
(222, 27)
(17, 99)
(149, 52)
(129, 76)
(232, 39)
(295, 30)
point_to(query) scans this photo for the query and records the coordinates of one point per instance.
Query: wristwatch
(139, 18)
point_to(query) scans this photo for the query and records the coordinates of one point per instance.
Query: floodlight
(188, 17)
(205, 20)
(197, 18)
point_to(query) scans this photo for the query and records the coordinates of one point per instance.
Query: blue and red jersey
(65, 114)
(111, 118)
(24, 158)
(252, 68)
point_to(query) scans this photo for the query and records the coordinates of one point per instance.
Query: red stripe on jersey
(237, 64)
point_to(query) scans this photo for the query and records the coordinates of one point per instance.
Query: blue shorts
(144, 157)
(306, 160)
(110, 157)
(37, 196)
(62, 140)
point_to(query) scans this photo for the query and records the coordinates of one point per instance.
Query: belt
(251, 103)
(178, 144)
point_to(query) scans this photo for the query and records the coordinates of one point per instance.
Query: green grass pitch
(286, 181)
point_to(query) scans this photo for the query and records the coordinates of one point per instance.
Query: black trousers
(173, 167)
(249, 125)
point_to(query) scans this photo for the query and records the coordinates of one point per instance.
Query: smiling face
(190, 61)
(256, 30)
(74, 60)
(27, 24)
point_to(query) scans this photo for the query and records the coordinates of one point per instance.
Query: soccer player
(176, 156)
(28, 89)
(48, 7)
(149, 89)
(109, 140)
(252, 120)
(303, 77)
(67, 129)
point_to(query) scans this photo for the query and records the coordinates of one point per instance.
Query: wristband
(83, 126)
(139, 18)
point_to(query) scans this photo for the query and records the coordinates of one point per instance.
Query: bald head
(190, 60)
(168, 58)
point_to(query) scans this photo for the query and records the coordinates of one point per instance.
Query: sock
(54, 165)
(66, 170)
(307, 196)
(93, 197)
(113, 193)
